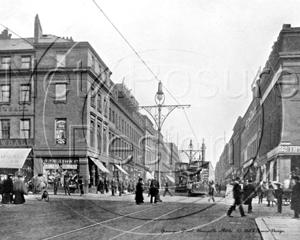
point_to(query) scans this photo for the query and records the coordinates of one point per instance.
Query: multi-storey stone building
(58, 102)
(269, 129)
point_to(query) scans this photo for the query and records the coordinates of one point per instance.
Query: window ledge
(23, 103)
(5, 103)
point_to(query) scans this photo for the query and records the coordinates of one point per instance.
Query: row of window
(96, 102)
(25, 92)
(5, 93)
(5, 132)
(120, 124)
(123, 126)
(6, 62)
(26, 63)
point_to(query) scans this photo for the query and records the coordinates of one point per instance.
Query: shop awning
(13, 157)
(248, 163)
(121, 169)
(99, 165)
(170, 178)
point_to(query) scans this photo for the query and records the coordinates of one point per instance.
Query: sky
(205, 53)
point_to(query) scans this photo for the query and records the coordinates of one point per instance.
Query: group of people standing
(153, 191)
(13, 191)
(249, 191)
(115, 185)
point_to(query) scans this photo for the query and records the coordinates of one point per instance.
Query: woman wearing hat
(295, 203)
(139, 198)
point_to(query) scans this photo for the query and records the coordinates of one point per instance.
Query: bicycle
(43, 194)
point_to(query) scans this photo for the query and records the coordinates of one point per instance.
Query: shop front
(16, 161)
(68, 166)
(97, 169)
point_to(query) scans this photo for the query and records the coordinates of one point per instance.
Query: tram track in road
(129, 215)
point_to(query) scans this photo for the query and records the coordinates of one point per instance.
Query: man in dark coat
(249, 194)
(8, 189)
(295, 203)
(19, 190)
(139, 198)
(167, 189)
(237, 195)
(154, 189)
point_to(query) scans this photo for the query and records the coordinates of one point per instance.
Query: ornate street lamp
(159, 118)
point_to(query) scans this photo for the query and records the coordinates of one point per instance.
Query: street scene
(149, 119)
(100, 216)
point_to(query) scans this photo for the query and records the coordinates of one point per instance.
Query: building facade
(57, 100)
(269, 139)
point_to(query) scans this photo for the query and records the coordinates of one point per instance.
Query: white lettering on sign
(289, 149)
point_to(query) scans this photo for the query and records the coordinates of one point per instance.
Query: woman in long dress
(139, 198)
(270, 195)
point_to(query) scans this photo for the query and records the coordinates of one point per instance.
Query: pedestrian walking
(166, 189)
(120, 187)
(295, 201)
(19, 190)
(67, 184)
(139, 198)
(249, 194)
(106, 185)
(211, 191)
(270, 192)
(56, 182)
(279, 194)
(261, 188)
(237, 195)
(100, 186)
(80, 183)
(8, 189)
(154, 189)
(114, 185)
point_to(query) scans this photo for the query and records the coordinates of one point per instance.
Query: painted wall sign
(289, 149)
(14, 109)
(16, 142)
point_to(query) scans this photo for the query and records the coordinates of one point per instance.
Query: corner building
(58, 100)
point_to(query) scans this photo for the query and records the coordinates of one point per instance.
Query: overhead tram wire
(132, 48)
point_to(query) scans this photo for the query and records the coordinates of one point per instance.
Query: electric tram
(191, 180)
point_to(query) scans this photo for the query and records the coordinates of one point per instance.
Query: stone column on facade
(84, 172)
(271, 170)
(284, 169)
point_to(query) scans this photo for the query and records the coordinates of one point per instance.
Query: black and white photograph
(141, 120)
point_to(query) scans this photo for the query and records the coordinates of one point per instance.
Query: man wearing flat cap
(295, 203)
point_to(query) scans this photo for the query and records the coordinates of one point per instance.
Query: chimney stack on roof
(286, 26)
(5, 35)
(38, 32)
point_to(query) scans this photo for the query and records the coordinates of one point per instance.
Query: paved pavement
(278, 228)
